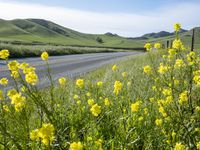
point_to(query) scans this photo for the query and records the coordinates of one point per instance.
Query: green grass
(36, 30)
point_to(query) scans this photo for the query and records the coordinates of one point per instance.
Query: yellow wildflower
(76, 146)
(6, 108)
(44, 56)
(90, 102)
(117, 87)
(148, 46)
(183, 97)
(78, 102)
(18, 101)
(162, 111)
(163, 69)
(96, 110)
(196, 77)
(106, 102)
(177, 27)
(179, 146)
(15, 74)
(198, 145)
(62, 81)
(172, 52)
(147, 69)
(179, 63)
(80, 83)
(177, 44)
(88, 94)
(34, 135)
(100, 84)
(157, 45)
(76, 97)
(11, 93)
(13, 65)
(158, 122)
(114, 67)
(3, 81)
(46, 133)
(135, 106)
(4, 54)
(31, 78)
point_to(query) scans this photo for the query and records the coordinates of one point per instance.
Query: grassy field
(19, 51)
(151, 101)
(29, 37)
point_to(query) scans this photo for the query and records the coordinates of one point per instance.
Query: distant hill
(43, 31)
(40, 31)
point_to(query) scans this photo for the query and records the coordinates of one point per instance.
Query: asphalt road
(68, 65)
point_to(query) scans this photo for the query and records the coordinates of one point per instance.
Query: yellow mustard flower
(177, 27)
(198, 145)
(18, 101)
(162, 111)
(13, 65)
(163, 69)
(88, 94)
(90, 102)
(62, 81)
(157, 45)
(183, 97)
(135, 106)
(179, 63)
(80, 83)
(4, 54)
(34, 135)
(6, 108)
(117, 87)
(3, 81)
(177, 44)
(106, 102)
(11, 93)
(159, 122)
(44, 56)
(31, 78)
(179, 146)
(148, 46)
(96, 110)
(196, 77)
(45, 134)
(76, 146)
(100, 84)
(76, 97)
(114, 67)
(147, 69)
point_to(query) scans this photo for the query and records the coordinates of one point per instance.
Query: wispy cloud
(125, 24)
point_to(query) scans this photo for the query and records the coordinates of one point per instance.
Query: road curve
(68, 65)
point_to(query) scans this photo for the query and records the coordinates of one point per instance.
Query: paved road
(69, 65)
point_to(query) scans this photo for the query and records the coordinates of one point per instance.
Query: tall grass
(151, 101)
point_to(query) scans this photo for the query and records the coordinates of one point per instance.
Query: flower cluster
(45, 134)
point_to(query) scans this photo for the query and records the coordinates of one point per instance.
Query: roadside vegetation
(21, 51)
(151, 101)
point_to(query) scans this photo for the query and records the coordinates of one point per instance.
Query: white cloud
(93, 22)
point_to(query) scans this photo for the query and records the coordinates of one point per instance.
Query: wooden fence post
(192, 46)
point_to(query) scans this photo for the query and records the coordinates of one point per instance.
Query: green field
(29, 37)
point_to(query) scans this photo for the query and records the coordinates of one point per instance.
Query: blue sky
(110, 5)
(125, 17)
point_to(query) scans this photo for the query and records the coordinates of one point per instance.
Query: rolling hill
(40, 31)
(43, 31)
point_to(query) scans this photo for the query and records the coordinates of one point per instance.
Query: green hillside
(42, 31)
